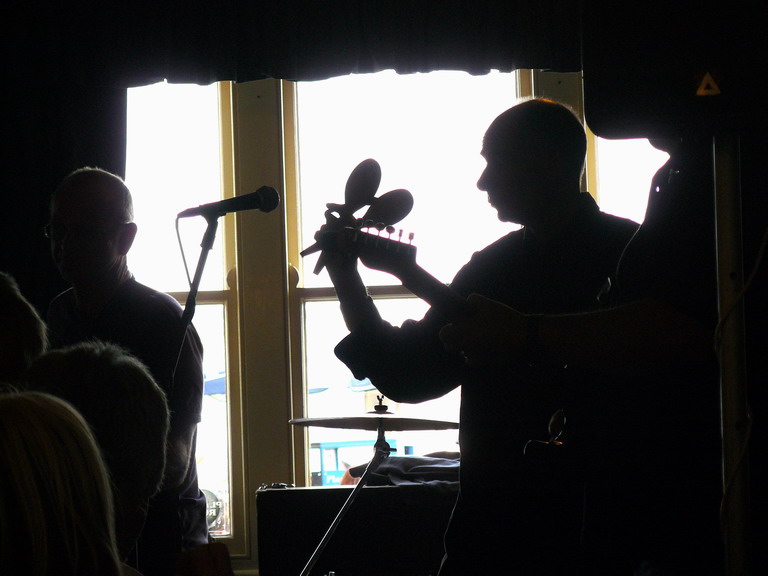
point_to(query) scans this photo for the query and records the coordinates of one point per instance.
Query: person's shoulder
(126, 570)
(604, 220)
(149, 298)
(62, 304)
(65, 298)
(502, 247)
(590, 208)
(493, 257)
(618, 223)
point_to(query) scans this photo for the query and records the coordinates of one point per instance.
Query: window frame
(227, 297)
(300, 295)
(263, 408)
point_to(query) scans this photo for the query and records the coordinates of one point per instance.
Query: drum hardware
(378, 419)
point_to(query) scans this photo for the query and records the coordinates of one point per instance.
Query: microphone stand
(189, 308)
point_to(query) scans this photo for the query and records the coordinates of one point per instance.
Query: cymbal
(370, 421)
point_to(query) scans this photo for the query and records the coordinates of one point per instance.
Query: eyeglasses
(59, 231)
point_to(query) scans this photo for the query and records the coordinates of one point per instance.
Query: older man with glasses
(91, 231)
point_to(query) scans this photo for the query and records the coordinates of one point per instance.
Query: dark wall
(645, 76)
(50, 129)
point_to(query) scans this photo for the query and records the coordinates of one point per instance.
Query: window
(427, 140)
(624, 171)
(174, 162)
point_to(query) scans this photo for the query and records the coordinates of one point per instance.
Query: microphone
(264, 199)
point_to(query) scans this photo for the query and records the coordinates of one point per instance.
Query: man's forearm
(357, 307)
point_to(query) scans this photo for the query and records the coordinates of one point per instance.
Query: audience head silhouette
(128, 414)
(23, 334)
(91, 228)
(55, 503)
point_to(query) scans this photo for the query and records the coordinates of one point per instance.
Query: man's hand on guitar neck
(493, 334)
(339, 260)
(357, 308)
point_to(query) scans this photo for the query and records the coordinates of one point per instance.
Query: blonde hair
(55, 501)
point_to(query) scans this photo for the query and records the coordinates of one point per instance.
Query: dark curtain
(143, 41)
(49, 130)
(67, 64)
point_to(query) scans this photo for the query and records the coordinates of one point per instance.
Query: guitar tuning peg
(410, 237)
(390, 230)
(379, 226)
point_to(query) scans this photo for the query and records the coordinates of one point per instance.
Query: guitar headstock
(378, 249)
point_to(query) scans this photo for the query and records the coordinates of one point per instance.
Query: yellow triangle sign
(708, 86)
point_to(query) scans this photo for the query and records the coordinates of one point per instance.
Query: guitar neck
(435, 293)
(399, 259)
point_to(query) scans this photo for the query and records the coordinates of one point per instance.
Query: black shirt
(500, 409)
(147, 323)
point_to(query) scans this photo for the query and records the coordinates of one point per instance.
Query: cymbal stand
(381, 452)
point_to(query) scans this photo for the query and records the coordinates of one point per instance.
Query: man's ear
(127, 235)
